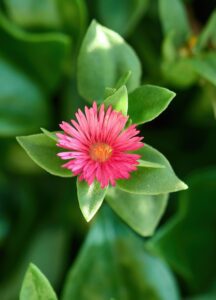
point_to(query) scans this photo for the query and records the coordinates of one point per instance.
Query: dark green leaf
(74, 17)
(152, 181)
(118, 100)
(52, 263)
(21, 102)
(147, 102)
(104, 57)
(42, 56)
(115, 265)
(121, 15)
(90, 198)
(141, 212)
(188, 241)
(43, 151)
(36, 286)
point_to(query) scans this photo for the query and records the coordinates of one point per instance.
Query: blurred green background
(40, 220)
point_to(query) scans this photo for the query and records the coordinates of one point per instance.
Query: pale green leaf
(147, 102)
(43, 151)
(118, 100)
(174, 18)
(90, 198)
(36, 286)
(104, 57)
(51, 135)
(141, 212)
(152, 181)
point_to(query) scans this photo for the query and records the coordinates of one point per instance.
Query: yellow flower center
(100, 152)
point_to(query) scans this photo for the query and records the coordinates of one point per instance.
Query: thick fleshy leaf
(188, 242)
(43, 151)
(205, 66)
(122, 15)
(104, 57)
(174, 18)
(152, 181)
(141, 212)
(42, 56)
(21, 101)
(118, 100)
(90, 198)
(116, 266)
(147, 102)
(36, 286)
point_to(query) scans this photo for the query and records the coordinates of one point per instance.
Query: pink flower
(98, 146)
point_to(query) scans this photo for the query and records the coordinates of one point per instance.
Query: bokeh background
(40, 220)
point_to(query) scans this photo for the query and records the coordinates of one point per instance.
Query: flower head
(98, 147)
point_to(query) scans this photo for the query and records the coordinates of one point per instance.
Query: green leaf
(208, 35)
(205, 66)
(174, 18)
(180, 73)
(104, 57)
(118, 100)
(36, 286)
(38, 249)
(187, 242)
(147, 102)
(123, 80)
(69, 16)
(115, 265)
(21, 101)
(109, 92)
(177, 67)
(43, 151)
(152, 181)
(34, 13)
(42, 56)
(74, 17)
(51, 135)
(210, 295)
(149, 164)
(90, 198)
(141, 212)
(122, 15)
